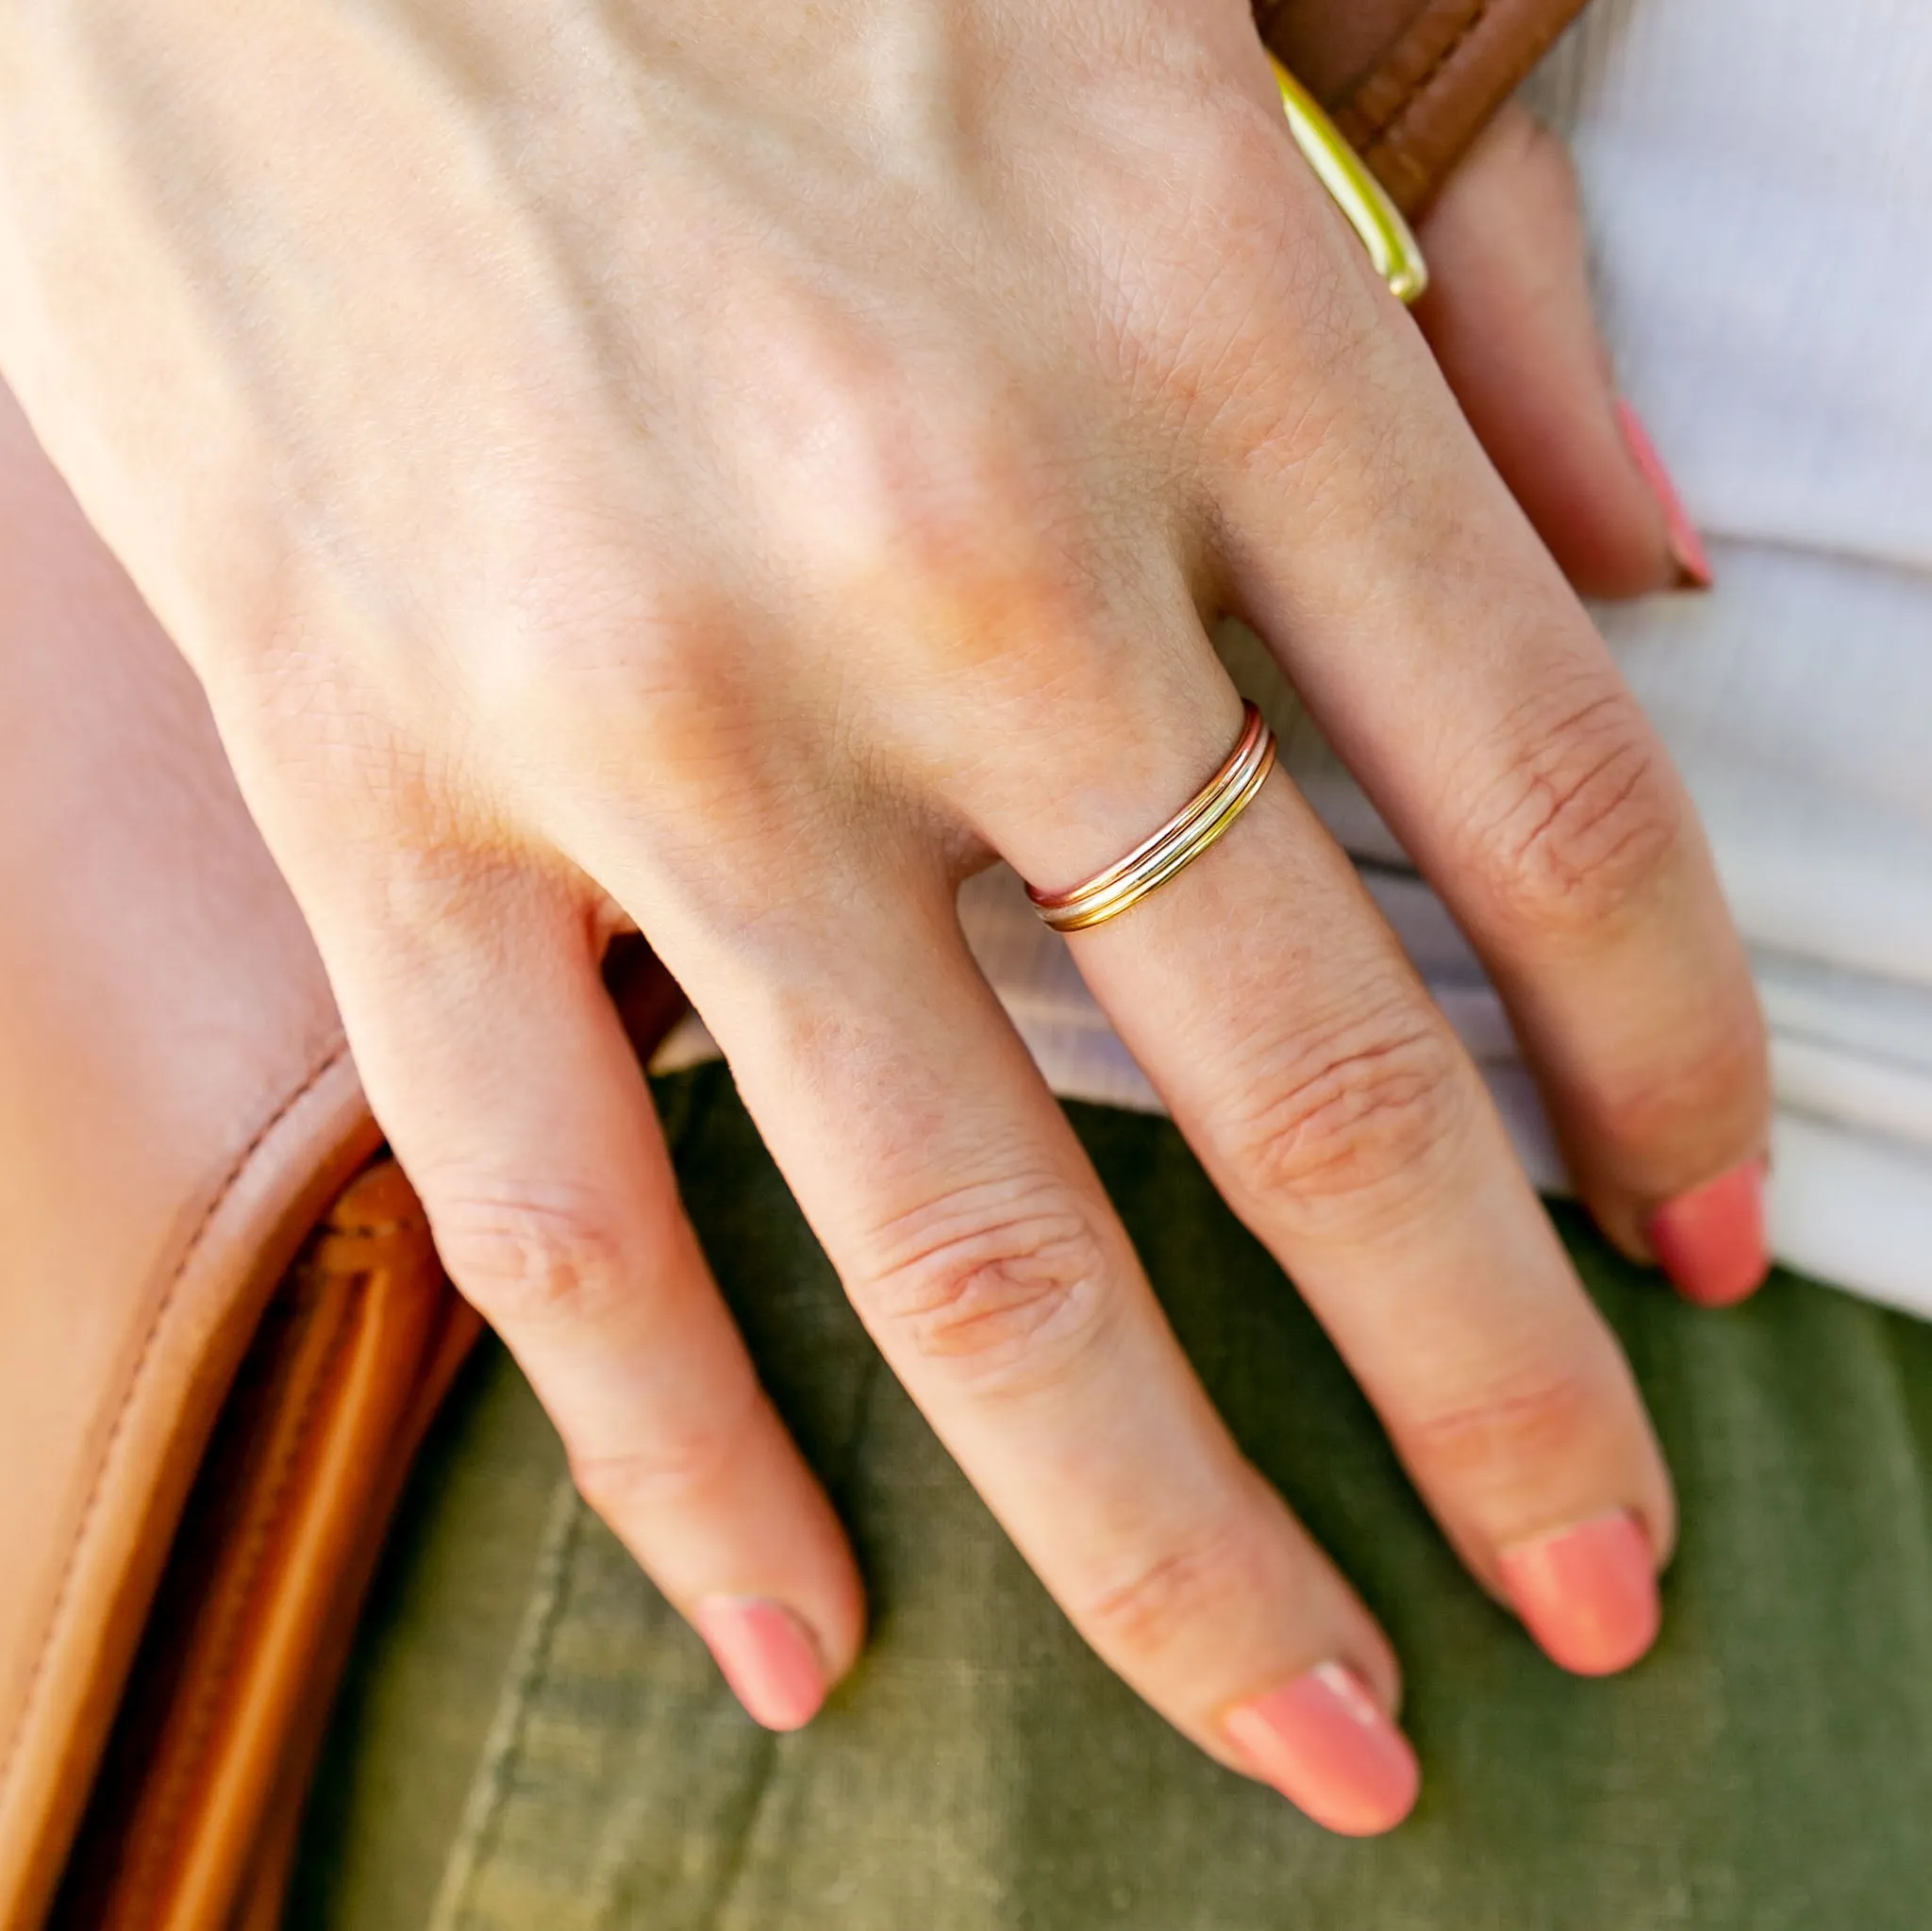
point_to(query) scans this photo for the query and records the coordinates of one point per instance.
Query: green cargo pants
(530, 1740)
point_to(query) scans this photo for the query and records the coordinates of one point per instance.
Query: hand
(739, 473)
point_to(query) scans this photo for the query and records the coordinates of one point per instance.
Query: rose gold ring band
(1200, 823)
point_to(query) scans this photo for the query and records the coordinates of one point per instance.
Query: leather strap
(1410, 83)
(252, 1621)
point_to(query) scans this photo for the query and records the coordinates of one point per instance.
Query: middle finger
(980, 1250)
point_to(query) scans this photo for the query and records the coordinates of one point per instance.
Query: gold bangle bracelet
(1389, 239)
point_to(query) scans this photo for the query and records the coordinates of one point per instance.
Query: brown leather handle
(1410, 83)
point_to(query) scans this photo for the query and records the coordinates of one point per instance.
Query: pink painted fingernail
(1687, 546)
(1710, 1241)
(1326, 1743)
(768, 1657)
(1588, 1594)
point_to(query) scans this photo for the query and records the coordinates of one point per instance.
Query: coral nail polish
(767, 1655)
(1687, 545)
(1711, 1241)
(1326, 1743)
(1588, 1594)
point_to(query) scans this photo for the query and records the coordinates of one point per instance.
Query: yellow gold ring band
(1200, 823)
(1370, 213)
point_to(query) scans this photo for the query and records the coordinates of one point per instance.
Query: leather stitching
(1436, 72)
(1382, 136)
(210, 1690)
(1406, 104)
(1390, 148)
(36, 1675)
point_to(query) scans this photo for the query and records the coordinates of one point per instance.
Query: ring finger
(1340, 1118)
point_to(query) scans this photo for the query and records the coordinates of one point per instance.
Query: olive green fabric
(530, 1739)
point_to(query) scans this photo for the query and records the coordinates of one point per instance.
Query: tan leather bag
(223, 1327)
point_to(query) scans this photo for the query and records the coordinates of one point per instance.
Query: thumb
(1508, 315)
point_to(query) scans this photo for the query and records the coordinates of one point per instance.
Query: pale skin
(738, 476)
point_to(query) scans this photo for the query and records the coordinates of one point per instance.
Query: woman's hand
(741, 470)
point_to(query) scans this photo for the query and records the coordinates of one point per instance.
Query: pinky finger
(501, 1073)
(1511, 319)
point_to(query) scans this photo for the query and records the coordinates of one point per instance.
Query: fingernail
(768, 1657)
(1588, 1594)
(1687, 546)
(1710, 1241)
(1326, 1743)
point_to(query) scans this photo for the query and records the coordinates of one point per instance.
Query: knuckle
(933, 490)
(1714, 1091)
(1583, 818)
(1003, 1284)
(1354, 1119)
(964, 528)
(1235, 154)
(1549, 1417)
(525, 1261)
(1530, 153)
(598, 654)
(429, 898)
(1544, 157)
(685, 1461)
(1210, 1579)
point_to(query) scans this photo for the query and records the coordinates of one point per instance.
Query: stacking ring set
(1200, 823)
(1206, 817)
